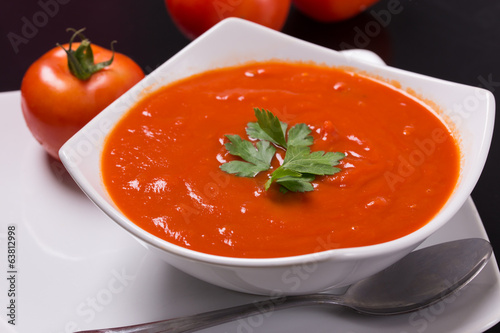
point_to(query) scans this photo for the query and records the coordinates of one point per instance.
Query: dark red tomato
(332, 10)
(56, 102)
(194, 17)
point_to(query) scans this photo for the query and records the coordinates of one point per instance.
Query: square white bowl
(468, 110)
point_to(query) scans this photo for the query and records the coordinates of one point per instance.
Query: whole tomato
(64, 89)
(194, 17)
(332, 10)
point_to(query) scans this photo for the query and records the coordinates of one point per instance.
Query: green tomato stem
(81, 61)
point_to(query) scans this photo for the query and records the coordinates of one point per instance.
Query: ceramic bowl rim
(352, 253)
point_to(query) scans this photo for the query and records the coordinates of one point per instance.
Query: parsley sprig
(258, 158)
(300, 165)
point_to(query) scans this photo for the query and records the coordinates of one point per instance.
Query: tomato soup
(161, 163)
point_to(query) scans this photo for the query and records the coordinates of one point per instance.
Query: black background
(456, 40)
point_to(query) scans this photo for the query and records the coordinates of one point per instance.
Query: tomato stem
(81, 61)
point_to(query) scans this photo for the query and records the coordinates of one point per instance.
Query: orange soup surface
(161, 163)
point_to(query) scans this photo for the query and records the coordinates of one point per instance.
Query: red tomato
(194, 17)
(56, 104)
(332, 10)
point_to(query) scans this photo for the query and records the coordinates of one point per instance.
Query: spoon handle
(217, 317)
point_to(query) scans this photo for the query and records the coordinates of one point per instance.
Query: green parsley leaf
(300, 159)
(298, 136)
(300, 166)
(258, 158)
(268, 128)
(280, 173)
(296, 184)
(254, 131)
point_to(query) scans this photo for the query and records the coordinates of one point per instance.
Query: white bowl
(469, 110)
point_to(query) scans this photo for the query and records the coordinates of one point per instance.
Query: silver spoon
(420, 279)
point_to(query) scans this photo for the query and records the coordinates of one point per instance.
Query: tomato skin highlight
(194, 17)
(56, 104)
(332, 10)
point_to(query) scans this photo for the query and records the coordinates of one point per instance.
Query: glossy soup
(161, 163)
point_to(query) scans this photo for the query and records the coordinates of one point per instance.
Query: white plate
(76, 269)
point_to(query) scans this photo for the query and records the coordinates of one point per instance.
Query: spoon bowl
(420, 279)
